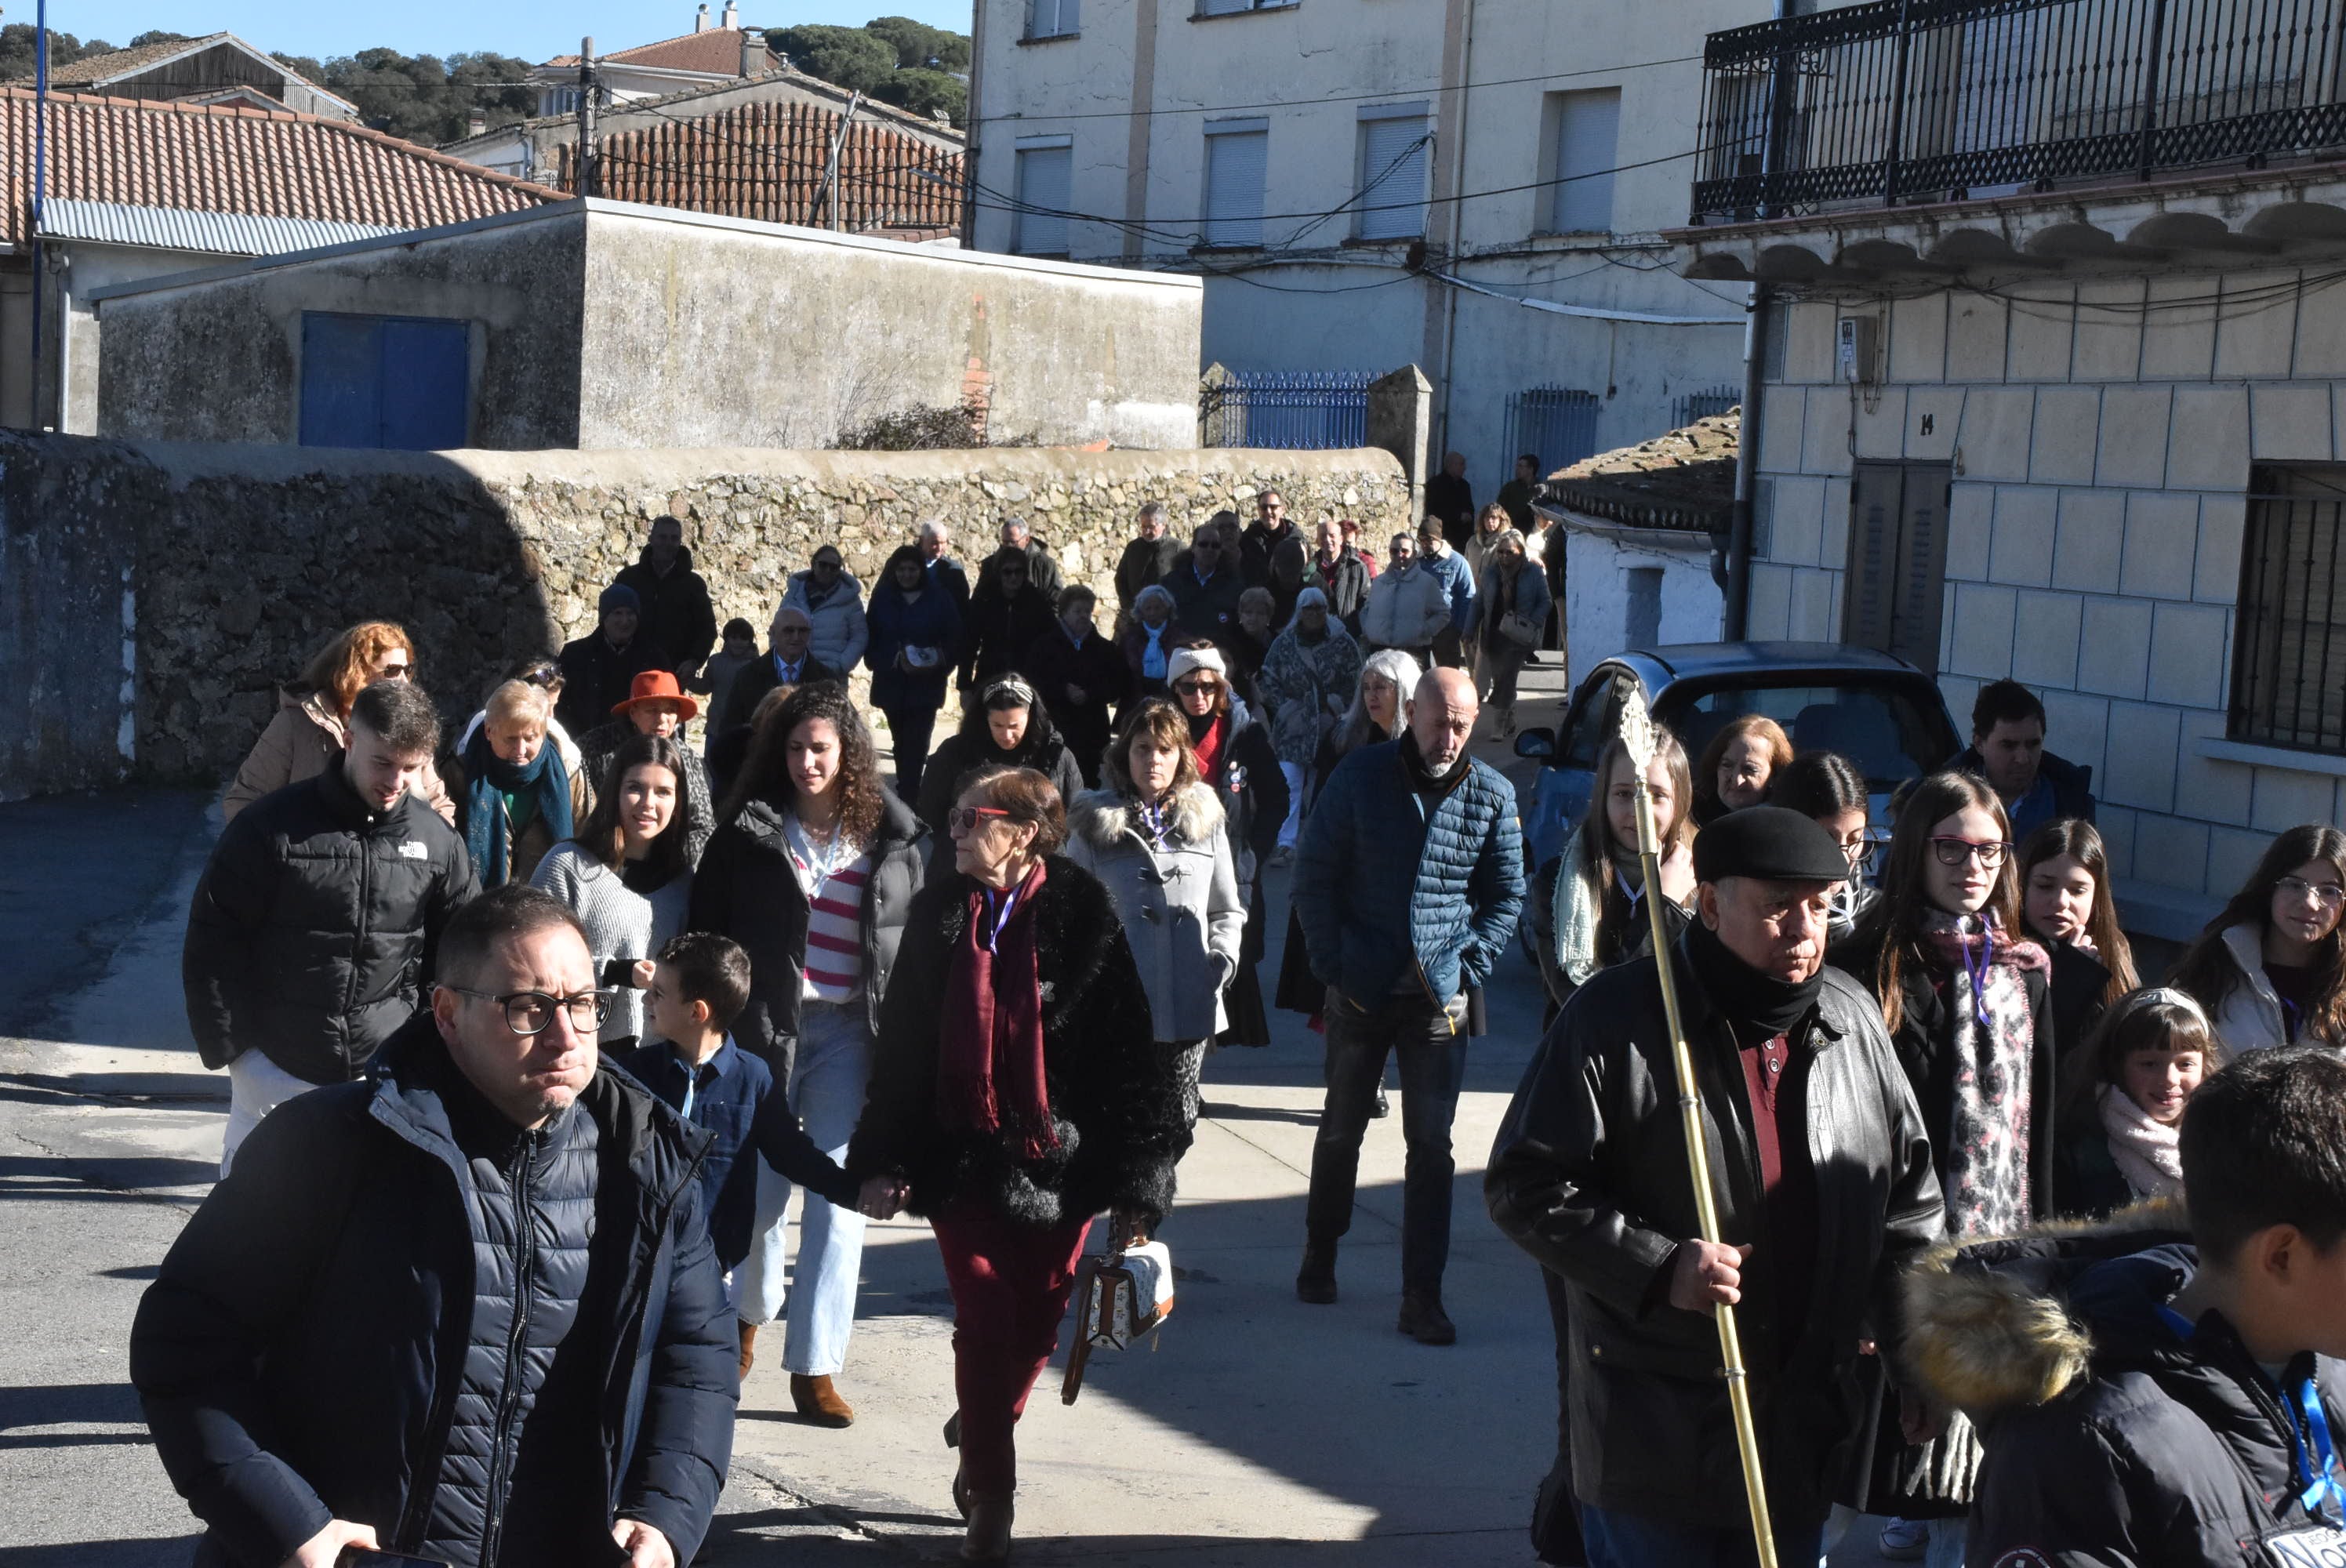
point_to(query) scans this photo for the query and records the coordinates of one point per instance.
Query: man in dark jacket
(466, 1310)
(1272, 555)
(1339, 572)
(599, 669)
(2147, 1396)
(1518, 493)
(1148, 559)
(1408, 879)
(1043, 572)
(677, 618)
(313, 929)
(788, 661)
(1206, 587)
(937, 561)
(2007, 750)
(1589, 1176)
(1449, 498)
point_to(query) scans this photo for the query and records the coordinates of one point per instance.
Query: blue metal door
(396, 381)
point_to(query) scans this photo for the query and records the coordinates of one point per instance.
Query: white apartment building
(1351, 175)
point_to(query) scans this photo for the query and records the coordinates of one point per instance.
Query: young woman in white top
(2269, 969)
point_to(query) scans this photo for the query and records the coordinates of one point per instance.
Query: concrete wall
(218, 357)
(2101, 450)
(1599, 560)
(245, 559)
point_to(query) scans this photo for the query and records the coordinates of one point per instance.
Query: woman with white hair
(1150, 641)
(1307, 677)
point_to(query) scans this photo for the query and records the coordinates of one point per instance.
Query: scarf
(488, 831)
(990, 1063)
(1746, 997)
(1579, 909)
(1205, 737)
(2148, 1152)
(1993, 1044)
(1152, 650)
(1423, 776)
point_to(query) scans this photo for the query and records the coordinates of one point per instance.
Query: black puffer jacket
(2112, 1441)
(746, 890)
(970, 748)
(312, 930)
(1589, 1177)
(1113, 1098)
(328, 1337)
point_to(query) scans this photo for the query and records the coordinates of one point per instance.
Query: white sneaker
(1905, 1540)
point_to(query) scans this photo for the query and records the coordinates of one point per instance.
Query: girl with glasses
(308, 732)
(2269, 968)
(1237, 760)
(1831, 790)
(2066, 904)
(1968, 1000)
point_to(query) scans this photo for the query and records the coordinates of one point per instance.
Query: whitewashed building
(1372, 183)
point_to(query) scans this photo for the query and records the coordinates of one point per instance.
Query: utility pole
(587, 93)
(829, 195)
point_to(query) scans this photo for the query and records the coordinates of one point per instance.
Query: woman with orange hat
(655, 705)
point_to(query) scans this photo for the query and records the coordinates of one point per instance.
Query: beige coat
(302, 741)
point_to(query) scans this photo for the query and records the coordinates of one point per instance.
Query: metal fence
(1556, 425)
(1907, 100)
(2289, 670)
(1287, 409)
(1707, 403)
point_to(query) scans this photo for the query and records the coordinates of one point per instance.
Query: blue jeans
(829, 1072)
(1620, 1540)
(1433, 1055)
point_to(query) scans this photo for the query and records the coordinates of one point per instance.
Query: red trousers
(1010, 1288)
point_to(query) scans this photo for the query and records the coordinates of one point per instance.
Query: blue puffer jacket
(330, 1336)
(1384, 891)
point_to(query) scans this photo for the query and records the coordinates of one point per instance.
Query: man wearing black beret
(1821, 1173)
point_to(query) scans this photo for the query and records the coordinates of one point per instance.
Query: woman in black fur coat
(1015, 1094)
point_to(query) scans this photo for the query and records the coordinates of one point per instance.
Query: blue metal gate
(397, 381)
(1705, 404)
(1288, 408)
(1556, 425)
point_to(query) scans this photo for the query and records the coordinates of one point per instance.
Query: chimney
(701, 19)
(753, 52)
(732, 14)
(476, 122)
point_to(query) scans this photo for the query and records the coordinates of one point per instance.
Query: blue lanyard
(1979, 972)
(997, 914)
(2322, 1486)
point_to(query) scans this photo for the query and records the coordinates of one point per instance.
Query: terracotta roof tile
(716, 51)
(224, 158)
(1683, 480)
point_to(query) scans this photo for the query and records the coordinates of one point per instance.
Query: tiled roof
(224, 159)
(1684, 480)
(120, 62)
(766, 161)
(716, 51)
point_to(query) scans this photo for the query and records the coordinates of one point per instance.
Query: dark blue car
(1874, 708)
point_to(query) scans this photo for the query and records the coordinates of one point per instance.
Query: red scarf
(1208, 747)
(990, 1063)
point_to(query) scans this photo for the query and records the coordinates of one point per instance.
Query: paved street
(1257, 1432)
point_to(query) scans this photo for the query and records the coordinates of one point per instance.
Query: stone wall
(245, 559)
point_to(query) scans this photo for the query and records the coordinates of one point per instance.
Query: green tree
(919, 46)
(422, 97)
(159, 36)
(926, 92)
(16, 60)
(844, 56)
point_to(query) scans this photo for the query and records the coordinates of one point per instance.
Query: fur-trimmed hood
(1103, 817)
(2016, 1321)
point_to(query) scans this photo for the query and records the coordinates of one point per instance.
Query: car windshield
(1879, 726)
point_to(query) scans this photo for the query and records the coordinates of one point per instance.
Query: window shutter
(1042, 181)
(1393, 161)
(1235, 165)
(1921, 587)
(1588, 144)
(1866, 613)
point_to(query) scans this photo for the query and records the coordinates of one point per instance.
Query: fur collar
(1101, 817)
(1989, 1324)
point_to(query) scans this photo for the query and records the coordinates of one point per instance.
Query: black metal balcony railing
(1925, 100)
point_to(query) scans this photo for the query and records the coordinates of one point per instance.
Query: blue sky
(535, 32)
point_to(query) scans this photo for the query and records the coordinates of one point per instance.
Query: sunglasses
(963, 820)
(394, 672)
(1955, 851)
(1196, 688)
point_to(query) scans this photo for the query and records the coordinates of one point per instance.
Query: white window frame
(1583, 205)
(1236, 229)
(1030, 233)
(1053, 18)
(1240, 7)
(1381, 211)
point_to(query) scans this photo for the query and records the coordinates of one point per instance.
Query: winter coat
(1274, 561)
(1589, 1176)
(2250, 1017)
(2079, 978)
(1457, 586)
(948, 574)
(1387, 893)
(1055, 666)
(1618, 929)
(1451, 499)
(600, 744)
(1114, 1099)
(315, 926)
(933, 621)
(1345, 581)
(745, 889)
(2112, 1441)
(837, 611)
(622, 925)
(1299, 680)
(2087, 1181)
(677, 614)
(1134, 646)
(1207, 608)
(1407, 608)
(330, 1335)
(596, 678)
(970, 748)
(1181, 905)
(304, 740)
(716, 684)
(750, 688)
(995, 632)
(526, 849)
(1253, 793)
(1530, 591)
(1042, 574)
(1144, 564)
(2073, 782)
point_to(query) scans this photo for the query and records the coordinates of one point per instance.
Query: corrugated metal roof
(183, 229)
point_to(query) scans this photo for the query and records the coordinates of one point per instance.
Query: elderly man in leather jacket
(1822, 1176)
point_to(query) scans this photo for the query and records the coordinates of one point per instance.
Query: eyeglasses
(962, 820)
(392, 672)
(2323, 894)
(532, 1012)
(1954, 852)
(1860, 856)
(1196, 688)
(543, 675)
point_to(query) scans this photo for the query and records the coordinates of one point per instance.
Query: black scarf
(1421, 777)
(1753, 1003)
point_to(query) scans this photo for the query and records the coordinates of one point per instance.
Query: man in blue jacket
(1457, 586)
(466, 1310)
(1408, 879)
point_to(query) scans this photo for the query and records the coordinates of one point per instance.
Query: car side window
(1598, 717)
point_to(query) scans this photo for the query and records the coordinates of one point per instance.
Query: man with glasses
(1041, 567)
(1206, 587)
(833, 602)
(677, 618)
(317, 916)
(1272, 555)
(2007, 750)
(1407, 608)
(467, 1309)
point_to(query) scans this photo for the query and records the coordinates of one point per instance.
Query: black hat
(1771, 842)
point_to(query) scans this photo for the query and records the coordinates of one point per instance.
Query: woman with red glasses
(1968, 999)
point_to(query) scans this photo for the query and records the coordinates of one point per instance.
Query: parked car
(1874, 707)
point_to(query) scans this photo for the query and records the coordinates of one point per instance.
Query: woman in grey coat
(1153, 834)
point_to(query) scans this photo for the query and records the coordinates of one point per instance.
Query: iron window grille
(2288, 657)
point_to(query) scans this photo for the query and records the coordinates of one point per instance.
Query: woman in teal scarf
(515, 798)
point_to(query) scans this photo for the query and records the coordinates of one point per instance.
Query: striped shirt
(833, 969)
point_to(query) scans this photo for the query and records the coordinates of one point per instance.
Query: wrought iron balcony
(1928, 100)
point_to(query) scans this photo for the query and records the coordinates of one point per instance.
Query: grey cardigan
(621, 923)
(1181, 905)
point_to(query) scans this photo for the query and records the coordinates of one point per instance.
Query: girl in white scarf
(2129, 1083)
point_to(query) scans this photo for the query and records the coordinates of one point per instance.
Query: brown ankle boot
(819, 1402)
(748, 1338)
(987, 1539)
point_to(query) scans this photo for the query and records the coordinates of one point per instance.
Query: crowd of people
(531, 1037)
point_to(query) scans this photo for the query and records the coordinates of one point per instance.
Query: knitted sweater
(621, 923)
